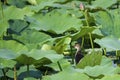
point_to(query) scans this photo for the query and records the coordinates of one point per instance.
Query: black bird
(78, 55)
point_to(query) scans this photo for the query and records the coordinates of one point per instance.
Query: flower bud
(82, 6)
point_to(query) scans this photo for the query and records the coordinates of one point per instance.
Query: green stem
(27, 69)
(72, 55)
(4, 73)
(82, 42)
(59, 65)
(104, 51)
(86, 17)
(2, 10)
(15, 73)
(117, 54)
(91, 41)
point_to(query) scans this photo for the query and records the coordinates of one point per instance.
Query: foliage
(36, 37)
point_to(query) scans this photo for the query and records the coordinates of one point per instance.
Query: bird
(78, 54)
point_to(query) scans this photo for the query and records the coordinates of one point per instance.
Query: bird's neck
(78, 49)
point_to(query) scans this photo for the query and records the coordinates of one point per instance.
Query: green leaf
(92, 59)
(16, 13)
(110, 43)
(12, 45)
(82, 32)
(49, 54)
(39, 57)
(55, 23)
(18, 3)
(105, 19)
(23, 59)
(1, 73)
(30, 78)
(64, 64)
(110, 77)
(32, 37)
(96, 71)
(3, 27)
(12, 12)
(33, 2)
(67, 75)
(7, 54)
(42, 4)
(18, 25)
(62, 44)
(116, 19)
(105, 68)
(4, 63)
(109, 21)
(103, 3)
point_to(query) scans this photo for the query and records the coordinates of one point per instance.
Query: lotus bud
(82, 6)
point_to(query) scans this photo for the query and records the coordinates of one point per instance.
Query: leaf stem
(72, 55)
(59, 65)
(2, 10)
(27, 70)
(15, 73)
(82, 42)
(91, 41)
(4, 73)
(90, 36)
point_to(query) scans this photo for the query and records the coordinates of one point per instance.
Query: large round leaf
(110, 43)
(4, 63)
(39, 57)
(42, 4)
(12, 12)
(103, 3)
(67, 75)
(92, 59)
(62, 44)
(12, 45)
(55, 23)
(82, 32)
(110, 77)
(50, 54)
(32, 37)
(105, 68)
(17, 26)
(109, 21)
(7, 54)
